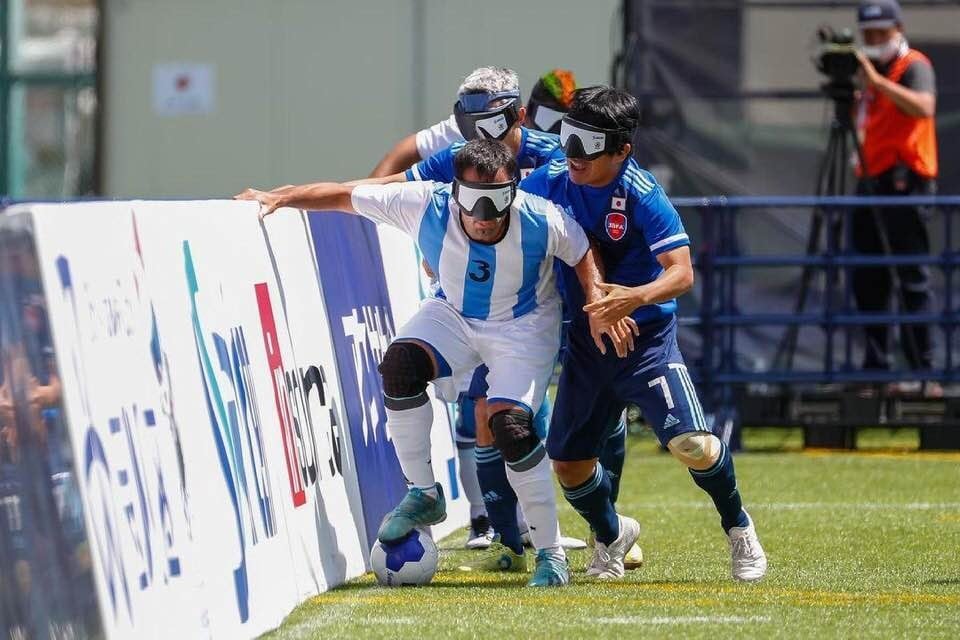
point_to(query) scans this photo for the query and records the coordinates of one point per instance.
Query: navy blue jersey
(631, 220)
(536, 150)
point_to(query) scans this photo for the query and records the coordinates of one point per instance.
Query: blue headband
(477, 102)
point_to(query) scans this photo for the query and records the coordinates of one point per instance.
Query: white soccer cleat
(480, 534)
(607, 561)
(747, 559)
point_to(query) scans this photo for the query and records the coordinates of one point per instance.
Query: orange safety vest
(888, 135)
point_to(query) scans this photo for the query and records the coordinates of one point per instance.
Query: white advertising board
(206, 413)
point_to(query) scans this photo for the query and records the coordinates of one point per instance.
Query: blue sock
(720, 481)
(498, 497)
(592, 501)
(611, 458)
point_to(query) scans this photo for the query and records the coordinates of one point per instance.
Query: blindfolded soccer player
(492, 248)
(646, 253)
(549, 100)
(488, 107)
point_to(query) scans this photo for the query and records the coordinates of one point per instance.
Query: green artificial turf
(860, 545)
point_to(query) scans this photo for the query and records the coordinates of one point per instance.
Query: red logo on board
(616, 225)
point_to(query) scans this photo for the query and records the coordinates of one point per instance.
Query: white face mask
(884, 53)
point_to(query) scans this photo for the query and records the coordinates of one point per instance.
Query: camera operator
(895, 118)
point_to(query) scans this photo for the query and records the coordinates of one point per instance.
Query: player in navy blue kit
(646, 254)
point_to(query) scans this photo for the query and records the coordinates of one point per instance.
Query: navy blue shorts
(595, 388)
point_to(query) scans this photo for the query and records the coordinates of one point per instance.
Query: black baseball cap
(879, 14)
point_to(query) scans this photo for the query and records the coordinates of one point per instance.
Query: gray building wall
(311, 89)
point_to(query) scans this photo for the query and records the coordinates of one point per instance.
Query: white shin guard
(410, 431)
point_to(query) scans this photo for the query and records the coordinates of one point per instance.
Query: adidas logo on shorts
(670, 421)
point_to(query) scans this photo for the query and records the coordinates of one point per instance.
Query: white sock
(534, 488)
(521, 521)
(410, 431)
(468, 478)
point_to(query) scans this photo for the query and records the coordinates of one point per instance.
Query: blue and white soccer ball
(409, 561)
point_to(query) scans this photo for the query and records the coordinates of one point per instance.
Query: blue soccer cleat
(417, 509)
(550, 571)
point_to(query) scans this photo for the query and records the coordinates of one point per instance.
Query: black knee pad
(514, 436)
(406, 369)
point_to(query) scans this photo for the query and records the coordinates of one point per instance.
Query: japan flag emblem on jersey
(616, 225)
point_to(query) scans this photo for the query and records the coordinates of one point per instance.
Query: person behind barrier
(646, 250)
(895, 117)
(498, 305)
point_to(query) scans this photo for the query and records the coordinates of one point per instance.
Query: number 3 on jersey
(689, 402)
(484, 271)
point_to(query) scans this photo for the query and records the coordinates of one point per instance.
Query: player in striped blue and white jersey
(492, 249)
(488, 106)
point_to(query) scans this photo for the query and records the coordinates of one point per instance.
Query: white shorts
(449, 388)
(520, 352)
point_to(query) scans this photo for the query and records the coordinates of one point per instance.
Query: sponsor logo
(368, 330)
(616, 224)
(304, 409)
(358, 307)
(131, 513)
(234, 415)
(671, 421)
(292, 390)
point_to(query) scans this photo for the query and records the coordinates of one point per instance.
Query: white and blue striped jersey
(500, 281)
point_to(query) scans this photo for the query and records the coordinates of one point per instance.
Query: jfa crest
(616, 225)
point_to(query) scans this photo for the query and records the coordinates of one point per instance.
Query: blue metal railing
(721, 261)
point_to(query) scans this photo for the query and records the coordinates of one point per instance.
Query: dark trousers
(906, 233)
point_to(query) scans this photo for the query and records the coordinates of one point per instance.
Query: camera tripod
(832, 181)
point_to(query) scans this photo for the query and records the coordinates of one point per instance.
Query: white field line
(678, 620)
(792, 506)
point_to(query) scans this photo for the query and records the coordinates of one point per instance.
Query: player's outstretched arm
(401, 157)
(319, 196)
(676, 280)
(620, 331)
(390, 179)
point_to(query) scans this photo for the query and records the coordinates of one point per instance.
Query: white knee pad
(697, 450)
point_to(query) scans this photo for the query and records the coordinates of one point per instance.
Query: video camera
(836, 58)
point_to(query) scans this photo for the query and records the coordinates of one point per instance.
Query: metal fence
(736, 296)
